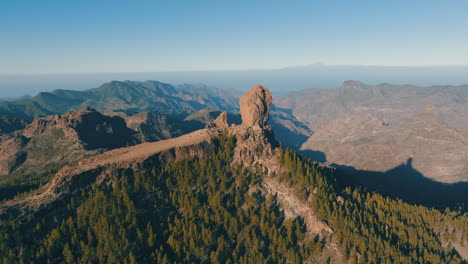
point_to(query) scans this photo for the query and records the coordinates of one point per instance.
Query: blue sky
(63, 36)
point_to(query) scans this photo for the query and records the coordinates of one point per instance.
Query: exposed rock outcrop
(222, 120)
(205, 116)
(59, 139)
(11, 152)
(107, 167)
(255, 144)
(255, 140)
(151, 126)
(255, 106)
(86, 125)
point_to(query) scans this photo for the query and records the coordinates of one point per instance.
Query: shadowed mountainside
(231, 189)
(127, 95)
(255, 144)
(401, 182)
(376, 144)
(169, 105)
(317, 107)
(376, 128)
(60, 139)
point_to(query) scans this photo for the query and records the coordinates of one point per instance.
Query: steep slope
(378, 128)
(130, 98)
(151, 126)
(128, 95)
(10, 124)
(218, 195)
(375, 144)
(317, 107)
(254, 146)
(60, 139)
(288, 131)
(207, 116)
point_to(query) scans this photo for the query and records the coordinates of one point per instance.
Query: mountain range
(279, 80)
(431, 118)
(128, 95)
(358, 128)
(221, 194)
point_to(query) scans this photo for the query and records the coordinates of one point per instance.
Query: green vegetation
(188, 211)
(207, 211)
(22, 184)
(371, 228)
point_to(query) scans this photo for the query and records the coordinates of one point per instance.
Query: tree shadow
(288, 137)
(314, 155)
(403, 182)
(289, 131)
(285, 110)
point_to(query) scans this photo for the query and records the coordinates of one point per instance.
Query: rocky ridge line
(255, 143)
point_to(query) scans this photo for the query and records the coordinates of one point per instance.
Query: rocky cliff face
(11, 152)
(255, 139)
(151, 126)
(86, 126)
(59, 139)
(255, 144)
(255, 106)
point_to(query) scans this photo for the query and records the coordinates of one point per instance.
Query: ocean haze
(278, 80)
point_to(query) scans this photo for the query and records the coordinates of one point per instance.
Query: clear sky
(66, 36)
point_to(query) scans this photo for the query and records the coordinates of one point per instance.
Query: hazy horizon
(285, 46)
(279, 80)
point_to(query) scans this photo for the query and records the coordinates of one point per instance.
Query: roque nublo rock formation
(255, 106)
(255, 144)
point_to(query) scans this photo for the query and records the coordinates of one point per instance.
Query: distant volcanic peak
(255, 106)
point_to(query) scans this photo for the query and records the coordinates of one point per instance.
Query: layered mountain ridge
(356, 126)
(379, 127)
(124, 96)
(317, 107)
(60, 139)
(255, 144)
(225, 193)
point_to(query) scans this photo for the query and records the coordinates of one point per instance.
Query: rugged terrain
(152, 126)
(357, 127)
(129, 96)
(255, 145)
(227, 192)
(61, 139)
(9, 123)
(154, 109)
(378, 128)
(317, 107)
(377, 144)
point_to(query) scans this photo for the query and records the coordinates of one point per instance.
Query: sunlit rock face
(255, 106)
(255, 142)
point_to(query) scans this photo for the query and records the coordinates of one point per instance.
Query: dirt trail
(144, 150)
